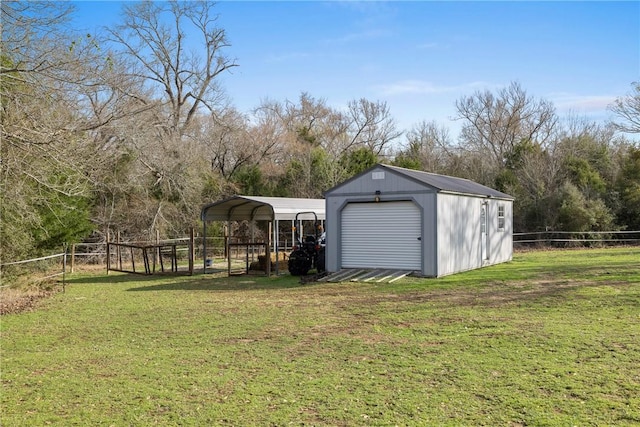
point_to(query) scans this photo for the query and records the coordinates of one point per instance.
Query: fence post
(108, 253)
(247, 258)
(64, 268)
(157, 254)
(119, 251)
(73, 256)
(192, 252)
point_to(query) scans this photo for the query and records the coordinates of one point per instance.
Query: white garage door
(381, 235)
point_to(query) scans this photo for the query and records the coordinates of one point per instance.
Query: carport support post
(267, 249)
(227, 247)
(275, 245)
(204, 247)
(253, 240)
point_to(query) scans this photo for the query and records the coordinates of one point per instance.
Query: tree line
(130, 131)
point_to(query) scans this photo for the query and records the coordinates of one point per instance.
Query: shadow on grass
(113, 279)
(122, 277)
(216, 280)
(233, 283)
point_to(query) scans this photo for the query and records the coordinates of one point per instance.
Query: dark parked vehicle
(309, 250)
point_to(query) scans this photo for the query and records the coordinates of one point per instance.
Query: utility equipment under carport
(271, 210)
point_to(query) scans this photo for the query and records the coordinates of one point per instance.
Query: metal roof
(238, 208)
(450, 184)
(441, 183)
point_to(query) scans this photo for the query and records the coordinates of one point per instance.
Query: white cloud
(581, 103)
(289, 56)
(422, 87)
(358, 36)
(431, 45)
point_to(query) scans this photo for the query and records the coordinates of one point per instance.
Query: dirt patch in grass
(14, 300)
(493, 295)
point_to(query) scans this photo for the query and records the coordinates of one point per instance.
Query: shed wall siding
(388, 182)
(459, 233)
(459, 239)
(500, 241)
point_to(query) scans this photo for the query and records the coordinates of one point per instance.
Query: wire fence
(95, 254)
(49, 268)
(572, 239)
(37, 270)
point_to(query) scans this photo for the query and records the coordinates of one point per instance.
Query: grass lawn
(551, 338)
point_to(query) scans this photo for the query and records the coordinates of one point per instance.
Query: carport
(254, 208)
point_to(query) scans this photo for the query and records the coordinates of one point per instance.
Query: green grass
(551, 338)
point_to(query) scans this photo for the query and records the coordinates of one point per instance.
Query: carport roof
(238, 208)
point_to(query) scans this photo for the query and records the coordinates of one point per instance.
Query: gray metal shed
(433, 225)
(254, 208)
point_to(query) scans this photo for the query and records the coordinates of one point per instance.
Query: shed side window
(501, 217)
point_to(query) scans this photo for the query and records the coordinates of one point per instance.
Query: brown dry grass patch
(17, 300)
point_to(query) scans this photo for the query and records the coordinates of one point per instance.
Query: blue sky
(420, 57)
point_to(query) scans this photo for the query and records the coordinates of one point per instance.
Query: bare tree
(232, 143)
(168, 98)
(306, 135)
(154, 37)
(314, 139)
(627, 109)
(44, 157)
(371, 125)
(310, 121)
(430, 144)
(495, 124)
(32, 37)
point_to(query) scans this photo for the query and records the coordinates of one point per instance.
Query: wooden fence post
(73, 256)
(192, 251)
(108, 252)
(157, 254)
(119, 252)
(64, 268)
